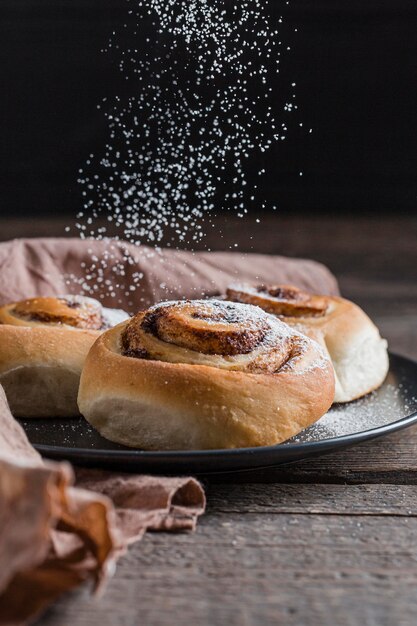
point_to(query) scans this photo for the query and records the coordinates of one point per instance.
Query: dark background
(354, 63)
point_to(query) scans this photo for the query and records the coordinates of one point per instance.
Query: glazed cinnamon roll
(351, 339)
(43, 345)
(204, 374)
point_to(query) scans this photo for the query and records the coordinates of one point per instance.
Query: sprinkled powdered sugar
(384, 406)
(304, 354)
(388, 404)
(192, 134)
(246, 315)
(111, 317)
(254, 291)
(76, 300)
(232, 312)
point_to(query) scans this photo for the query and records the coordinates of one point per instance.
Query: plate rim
(234, 453)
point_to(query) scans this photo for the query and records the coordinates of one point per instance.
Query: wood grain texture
(266, 567)
(388, 460)
(328, 542)
(308, 499)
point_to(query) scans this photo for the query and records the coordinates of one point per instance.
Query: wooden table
(328, 542)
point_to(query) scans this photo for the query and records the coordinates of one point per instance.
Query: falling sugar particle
(183, 144)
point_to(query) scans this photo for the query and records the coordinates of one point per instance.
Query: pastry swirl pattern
(67, 310)
(43, 345)
(285, 300)
(221, 334)
(353, 343)
(204, 374)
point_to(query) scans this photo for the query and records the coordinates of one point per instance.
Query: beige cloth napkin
(53, 536)
(33, 267)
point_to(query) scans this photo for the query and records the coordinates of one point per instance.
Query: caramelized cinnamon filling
(208, 327)
(280, 300)
(284, 292)
(75, 311)
(226, 335)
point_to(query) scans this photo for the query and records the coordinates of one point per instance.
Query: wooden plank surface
(308, 499)
(286, 554)
(327, 542)
(389, 460)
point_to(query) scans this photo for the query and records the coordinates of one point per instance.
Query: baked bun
(43, 345)
(352, 340)
(204, 374)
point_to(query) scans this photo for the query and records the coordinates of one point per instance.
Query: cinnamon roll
(204, 374)
(352, 341)
(43, 345)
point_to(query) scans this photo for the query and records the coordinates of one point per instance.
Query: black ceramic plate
(390, 408)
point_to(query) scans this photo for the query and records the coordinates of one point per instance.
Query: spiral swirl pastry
(220, 334)
(68, 310)
(43, 345)
(280, 300)
(353, 343)
(204, 374)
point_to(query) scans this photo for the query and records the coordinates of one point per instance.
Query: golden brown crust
(172, 396)
(43, 345)
(75, 311)
(40, 368)
(358, 353)
(285, 300)
(31, 345)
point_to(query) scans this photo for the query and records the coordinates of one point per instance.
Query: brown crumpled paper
(36, 267)
(54, 536)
